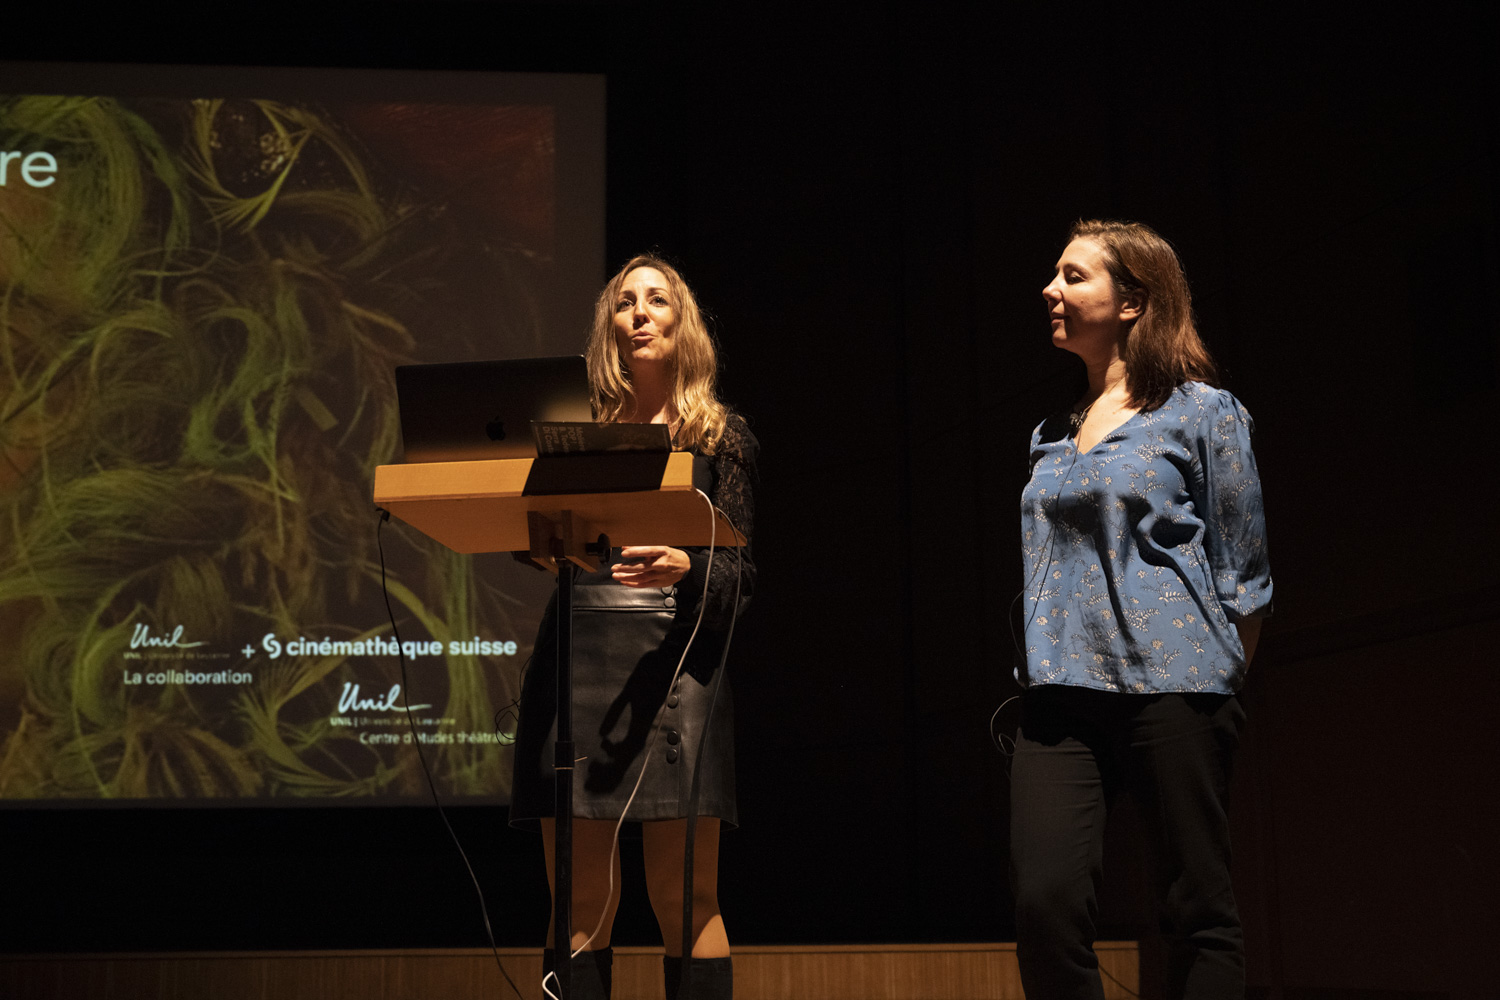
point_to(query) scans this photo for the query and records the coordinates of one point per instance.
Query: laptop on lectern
(472, 410)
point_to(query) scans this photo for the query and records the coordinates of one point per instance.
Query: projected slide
(206, 279)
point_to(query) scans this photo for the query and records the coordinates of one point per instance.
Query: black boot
(593, 973)
(708, 978)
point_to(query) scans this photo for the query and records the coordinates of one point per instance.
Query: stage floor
(764, 972)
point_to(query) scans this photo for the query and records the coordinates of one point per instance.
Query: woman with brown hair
(649, 695)
(1145, 557)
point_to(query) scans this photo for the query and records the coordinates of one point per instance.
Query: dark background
(869, 204)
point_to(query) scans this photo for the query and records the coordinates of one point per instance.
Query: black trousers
(1076, 750)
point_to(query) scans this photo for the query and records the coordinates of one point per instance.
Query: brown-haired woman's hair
(695, 363)
(1162, 350)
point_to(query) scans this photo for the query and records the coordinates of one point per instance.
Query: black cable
(1005, 744)
(1122, 986)
(1051, 536)
(484, 912)
(1000, 739)
(511, 711)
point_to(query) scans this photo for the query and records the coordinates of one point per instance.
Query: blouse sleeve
(1234, 517)
(733, 493)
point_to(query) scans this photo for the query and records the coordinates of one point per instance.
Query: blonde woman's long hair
(695, 362)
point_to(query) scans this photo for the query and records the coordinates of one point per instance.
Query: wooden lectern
(483, 506)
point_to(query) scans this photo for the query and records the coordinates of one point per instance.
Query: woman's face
(645, 319)
(1083, 304)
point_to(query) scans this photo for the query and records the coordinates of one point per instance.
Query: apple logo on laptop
(495, 429)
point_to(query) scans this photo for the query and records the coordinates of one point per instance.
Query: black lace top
(730, 474)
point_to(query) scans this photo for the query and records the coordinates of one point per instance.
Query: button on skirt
(627, 713)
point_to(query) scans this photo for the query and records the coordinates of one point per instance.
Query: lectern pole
(563, 758)
(485, 506)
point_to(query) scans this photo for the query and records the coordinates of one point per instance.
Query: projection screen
(208, 276)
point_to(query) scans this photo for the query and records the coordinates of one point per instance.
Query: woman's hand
(651, 566)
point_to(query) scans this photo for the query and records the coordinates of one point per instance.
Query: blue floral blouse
(1141, 553)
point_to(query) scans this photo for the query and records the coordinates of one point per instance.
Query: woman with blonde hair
(1144, 549)
(650, 360)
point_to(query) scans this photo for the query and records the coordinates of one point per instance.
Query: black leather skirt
(626, 646)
